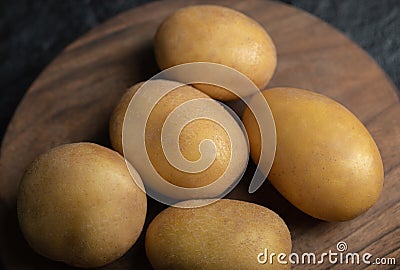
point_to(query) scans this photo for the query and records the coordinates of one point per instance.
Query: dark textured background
(33, 32)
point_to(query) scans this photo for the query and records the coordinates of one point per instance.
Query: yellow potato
(78, 204)
(227, 234)
(208, 33)
(190, 138)
(117, 118)
(326, 164)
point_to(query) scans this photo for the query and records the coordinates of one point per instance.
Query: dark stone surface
(33, 32)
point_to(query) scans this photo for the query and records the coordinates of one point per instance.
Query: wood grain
(72, 99)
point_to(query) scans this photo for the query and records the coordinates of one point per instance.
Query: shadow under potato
(269, 197)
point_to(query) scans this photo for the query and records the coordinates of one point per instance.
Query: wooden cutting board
(73, 97)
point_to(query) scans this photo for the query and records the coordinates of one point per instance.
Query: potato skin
(78, 204)
(326, 163)
(117, 118)
(189, 140)
(227, 234)
(209, 33)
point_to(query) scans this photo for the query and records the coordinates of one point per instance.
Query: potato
(227, 234)
(190, 138)
(208, 33)
(117, 118)
(326, 164)
(78, 204)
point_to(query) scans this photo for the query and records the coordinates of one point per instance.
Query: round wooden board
(72, 99)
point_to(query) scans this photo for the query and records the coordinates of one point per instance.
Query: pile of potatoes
(78, 203)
